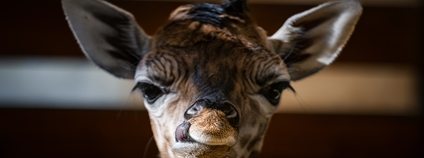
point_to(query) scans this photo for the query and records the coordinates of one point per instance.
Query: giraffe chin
(212, 140)
(194, 149)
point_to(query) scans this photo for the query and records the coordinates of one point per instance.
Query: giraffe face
(211, 78)
(210, 89)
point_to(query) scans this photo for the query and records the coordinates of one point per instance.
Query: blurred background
(55, 103)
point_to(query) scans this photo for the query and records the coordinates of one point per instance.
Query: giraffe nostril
(227, 108)
(231, 114)
(193, 110)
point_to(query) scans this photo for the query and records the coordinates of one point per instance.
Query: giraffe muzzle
(209, 123)
(228, 109)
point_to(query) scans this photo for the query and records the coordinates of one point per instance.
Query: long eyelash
(291, 88)
(132, 66)
(137, 86)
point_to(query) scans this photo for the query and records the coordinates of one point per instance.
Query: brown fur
(211, 78)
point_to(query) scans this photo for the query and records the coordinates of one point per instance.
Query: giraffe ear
(108, 35)
(311, 40)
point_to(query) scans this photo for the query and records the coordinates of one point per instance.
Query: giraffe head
(211, 78)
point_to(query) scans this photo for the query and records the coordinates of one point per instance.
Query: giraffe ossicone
(210, 77)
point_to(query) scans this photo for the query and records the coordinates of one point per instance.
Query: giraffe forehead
(193, 23)
(217, 68)
(214, 50)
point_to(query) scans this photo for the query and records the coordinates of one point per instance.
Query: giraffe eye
(273, 92)
(150, 92)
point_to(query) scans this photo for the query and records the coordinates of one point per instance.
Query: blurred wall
(383, 52)
(375, 73)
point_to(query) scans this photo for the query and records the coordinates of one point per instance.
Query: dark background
(389, 35)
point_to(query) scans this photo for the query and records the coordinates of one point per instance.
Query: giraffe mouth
(181, 133)
(209, 128)
(186, 146)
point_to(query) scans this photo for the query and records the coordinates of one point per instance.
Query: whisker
(292, 89)
(290, 52)
(293, 60)
(135, 64)
(132, 66)
(128, 67)
(302, 102)
(127, 100)
(291, 69)
(146, 149)
(135, 114)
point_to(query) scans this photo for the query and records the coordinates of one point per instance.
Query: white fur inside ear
(108, 35)
(336, 40)
(318, 35)
(327, 60)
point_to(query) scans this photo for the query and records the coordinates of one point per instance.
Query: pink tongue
(181, 132)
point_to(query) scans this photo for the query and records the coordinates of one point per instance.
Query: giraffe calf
(210, 77)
